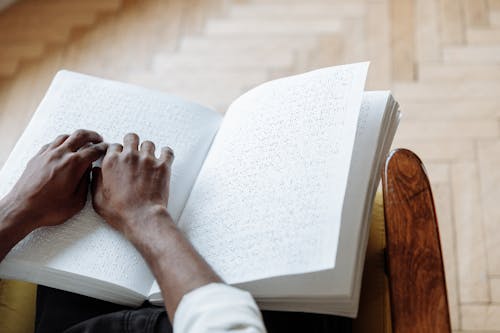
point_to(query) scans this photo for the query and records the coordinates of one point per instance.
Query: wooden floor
(441, 58)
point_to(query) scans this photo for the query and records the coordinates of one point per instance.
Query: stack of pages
(276, 195)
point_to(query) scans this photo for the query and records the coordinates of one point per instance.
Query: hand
(55, 183)
(131, 183)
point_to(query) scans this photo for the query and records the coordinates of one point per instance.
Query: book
(275, 194)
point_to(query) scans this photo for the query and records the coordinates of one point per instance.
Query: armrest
(414, 262)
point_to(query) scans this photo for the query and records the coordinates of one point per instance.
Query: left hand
(55, 184)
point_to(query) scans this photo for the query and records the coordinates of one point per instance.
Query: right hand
(131, 183)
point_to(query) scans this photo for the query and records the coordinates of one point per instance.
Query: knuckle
(73, 158)
(61, 137)
(148, 160)
(44, 148)
(130, 156)
(80, 133)
(56, 154)
(65, 160)
(95, 149)
(112, 156)
(110, 160)
(164, 167)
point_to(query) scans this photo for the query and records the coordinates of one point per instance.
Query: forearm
(176, 265)
(14, 225)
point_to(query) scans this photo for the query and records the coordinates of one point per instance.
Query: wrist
(15, 224)
(15, 213)
(140, 224)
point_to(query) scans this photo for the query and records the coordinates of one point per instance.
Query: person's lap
(61, 311)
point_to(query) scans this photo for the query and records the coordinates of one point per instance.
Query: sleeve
(217, 307)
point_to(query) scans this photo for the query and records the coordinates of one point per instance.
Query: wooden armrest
(414, 262)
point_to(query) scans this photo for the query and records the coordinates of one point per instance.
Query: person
(130, 191)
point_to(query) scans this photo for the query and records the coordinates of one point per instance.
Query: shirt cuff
(217, 307)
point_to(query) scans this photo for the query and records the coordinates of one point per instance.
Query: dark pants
(60, 311)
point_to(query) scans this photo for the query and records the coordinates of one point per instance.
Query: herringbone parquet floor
(441, 58)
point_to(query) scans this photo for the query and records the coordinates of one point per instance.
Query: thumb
(91, 153)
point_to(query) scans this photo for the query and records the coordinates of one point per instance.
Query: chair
(403, 289)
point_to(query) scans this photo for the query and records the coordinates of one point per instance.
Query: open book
(276, 195)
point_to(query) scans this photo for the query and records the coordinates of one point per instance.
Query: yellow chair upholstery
(17, 306)
(17, 299)
(374, 313)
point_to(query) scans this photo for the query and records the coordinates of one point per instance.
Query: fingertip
(131, 141)
(80, 138)
(167, 154)
(103, 146)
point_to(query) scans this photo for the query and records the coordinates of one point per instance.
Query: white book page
(268, 200)
(376, 123)
(85, 245)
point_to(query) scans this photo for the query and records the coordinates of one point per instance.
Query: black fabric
(59, 311)
(63, 312)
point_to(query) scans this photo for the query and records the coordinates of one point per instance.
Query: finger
(43, 148)
(82, 189)
(131, 142)
(96, 180)
(148, 147)
(167, 155)
(80, 138)
(59, 140)
(92, 153)
(115, 148)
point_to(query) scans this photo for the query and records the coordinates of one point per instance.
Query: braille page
(85, 245)
(268, 199)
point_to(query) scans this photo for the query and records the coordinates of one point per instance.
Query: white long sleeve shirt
(217, 307)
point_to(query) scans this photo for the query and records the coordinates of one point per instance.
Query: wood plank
(476, 12)
(446, 91)
(458, 73)
(486, 36)
(197, 43)
(378, 43)
(64, 6)
(300, 10)
(495, 18)
(471, 251)
(483, 318)
(428, 39)
(489, 175)
(353, 35)
(8, 67)
(403, 39)
(442, 194)
(271, 26)
(451, 110)
(477, 55)
(495, 289)
(447, 129)
(328, 51)
(268, 57)
(437, 172)
(494, 5)
(452, 22)
(443, 150)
